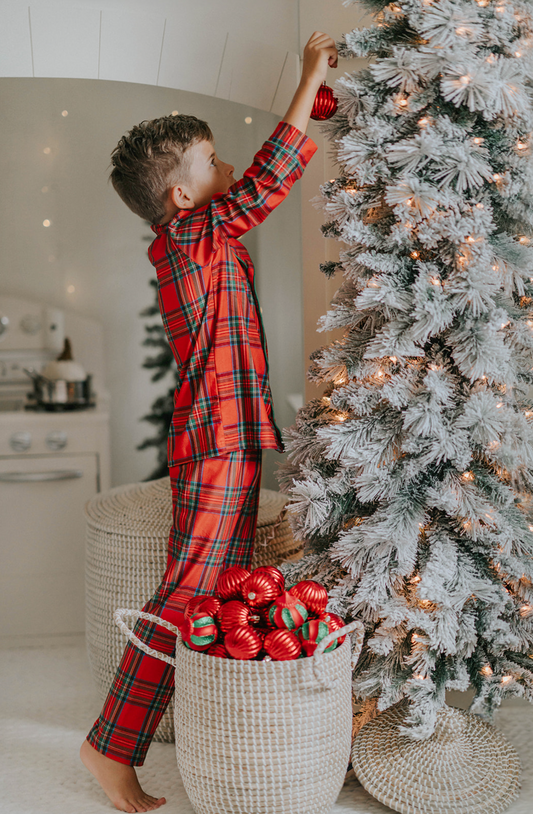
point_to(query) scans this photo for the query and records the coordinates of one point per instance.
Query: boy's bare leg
(119, 781)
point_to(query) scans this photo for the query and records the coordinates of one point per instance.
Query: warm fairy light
(423, 121)
(524, 239)
(465, 80)
(496, 176)
(331, 180)
(409, 225)
(393, 358)
(493, 445)
(470, 239)
(500, 404)
(326, 399)
(486, 670)
(495, 268)
(479, 206)
(478, 140)
(409, 202)
(420, 525)
(435, 281)
(518, 53)
(467, 525)
(415, 637)
(415, 255)
(372, 284)
(500, 9)
(46, 222)
(379, 373)
(504, 324)
(419, 677)
(342, 416)
(525, 610)
(521, 145)
(416, 579)
(530, 323)
(506, 679)
(467, 475)
(528, 414)
(403, 102)
(482, 3)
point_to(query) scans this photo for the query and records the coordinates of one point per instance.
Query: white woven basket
(258, 737)
(126, 553)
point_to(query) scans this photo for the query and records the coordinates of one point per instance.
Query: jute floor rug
(48, 702)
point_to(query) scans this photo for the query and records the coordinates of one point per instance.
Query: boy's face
(208, 176)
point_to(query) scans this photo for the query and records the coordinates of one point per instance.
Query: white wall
(96, 245)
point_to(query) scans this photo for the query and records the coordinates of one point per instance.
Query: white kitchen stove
(51, 463)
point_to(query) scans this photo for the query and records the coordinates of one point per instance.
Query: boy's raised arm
(319, 52)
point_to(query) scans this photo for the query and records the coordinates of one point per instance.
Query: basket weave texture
(262, 737)
(466, 767)
(127, 532)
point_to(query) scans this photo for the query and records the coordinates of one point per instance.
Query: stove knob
(20, 441)
(56, 440)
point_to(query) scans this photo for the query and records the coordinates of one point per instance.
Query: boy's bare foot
(118, 781)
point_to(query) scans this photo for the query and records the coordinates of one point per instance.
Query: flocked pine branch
(411, 478)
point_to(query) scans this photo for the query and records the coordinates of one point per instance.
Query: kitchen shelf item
(126, 552)
(268, 737)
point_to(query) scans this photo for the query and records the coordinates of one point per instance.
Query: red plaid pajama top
(210, 311)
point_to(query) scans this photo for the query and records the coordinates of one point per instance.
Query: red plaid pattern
(210, 311)
(215, 503)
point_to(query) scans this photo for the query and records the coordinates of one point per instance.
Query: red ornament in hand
(243, 643)
(235, 614)
(272, 572)
(313, 595)
(282, 645)
(333, 622)
(199, 631)
(229, 582)
(287, 611)
(325, 105)
(259, 590)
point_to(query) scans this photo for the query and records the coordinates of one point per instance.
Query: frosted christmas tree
(412, 476)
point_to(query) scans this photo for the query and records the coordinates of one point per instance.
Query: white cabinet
(42, 542)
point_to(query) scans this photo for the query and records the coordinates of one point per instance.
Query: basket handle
(318, 656)
(118, 618)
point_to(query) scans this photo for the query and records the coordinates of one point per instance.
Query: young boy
(167, 172)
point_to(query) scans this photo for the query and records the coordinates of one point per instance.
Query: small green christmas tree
(162, 408)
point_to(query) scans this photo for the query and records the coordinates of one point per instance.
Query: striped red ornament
(333, 622)
(282, 645)
(235, 614)
(243, 643)
(258, 590)
(210, 605)
(272, 572)
(229, 582)
(199, 631)
(218, 649)
(193, 603)
(313, 595)
(311, 633)
(287, 611)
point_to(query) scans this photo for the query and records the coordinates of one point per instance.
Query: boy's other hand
(319, 52)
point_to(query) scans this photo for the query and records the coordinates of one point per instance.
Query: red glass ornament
(264, 619)
(258, 590)
(311, 633)
(210, 605)
(333, 622)
(325, 105)
(243, 643)
(218, 649)
(193, 603)
(313, 595)
(282, 645)
(274, 573)
(287, 611)
(229, 582)
(235, 614)
(199, 631)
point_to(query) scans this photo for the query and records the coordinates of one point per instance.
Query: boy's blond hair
(152, 158)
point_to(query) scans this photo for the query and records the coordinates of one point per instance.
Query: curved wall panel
(204, 46)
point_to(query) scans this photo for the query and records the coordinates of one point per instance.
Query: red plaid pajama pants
(214, 507)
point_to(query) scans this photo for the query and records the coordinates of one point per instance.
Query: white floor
(48, 703)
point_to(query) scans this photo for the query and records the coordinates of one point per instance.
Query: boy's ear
(179, 198)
